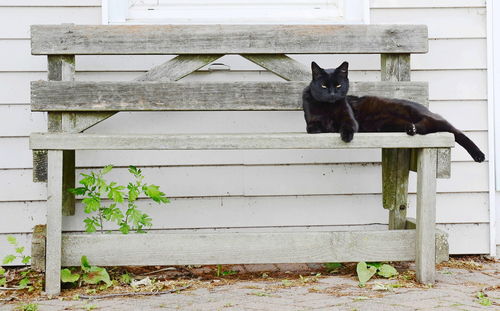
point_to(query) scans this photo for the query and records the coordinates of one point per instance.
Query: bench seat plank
(172, 96)
(76, 141)
(227, 39)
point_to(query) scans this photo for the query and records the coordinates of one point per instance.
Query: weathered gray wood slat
(241, 247)
(171, 70)
(178, 67)
(227, 39)
(63, 141)
(425, 260)
(143, 96)
(55, 192)
(395, 162)
(281, 65)
(442, 246)
(60, 68)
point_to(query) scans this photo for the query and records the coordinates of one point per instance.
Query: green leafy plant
(3, 279)
(365, 271)
(89, 274)
(483, 299)
(123, 209)
(19, 254)
(27, 307)
(332, 267)
(219, 272)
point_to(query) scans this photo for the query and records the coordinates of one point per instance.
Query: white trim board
(493, 48)
(236, 12)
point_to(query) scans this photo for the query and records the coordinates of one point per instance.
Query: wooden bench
(74, 107)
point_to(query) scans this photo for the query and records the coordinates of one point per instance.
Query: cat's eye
(338, 86)
(323, 86)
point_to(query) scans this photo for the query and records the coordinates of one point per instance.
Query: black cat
(328, 108)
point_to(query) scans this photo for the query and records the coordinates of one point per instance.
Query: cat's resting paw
(411, 130)
(347, 135)
(478, 157)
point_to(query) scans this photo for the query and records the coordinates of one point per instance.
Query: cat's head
(328, 85)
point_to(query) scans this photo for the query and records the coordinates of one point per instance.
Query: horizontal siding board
(454, 84)
(143, 96)
(23, 240)
(222, 212)
(18, 120)
(465, 115)
(228, 39)
(442, 22)
(13, 27)
(259, 180)
(467, 238)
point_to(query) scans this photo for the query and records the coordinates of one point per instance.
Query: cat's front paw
(313, 129)
(411, 129)
(347, 135)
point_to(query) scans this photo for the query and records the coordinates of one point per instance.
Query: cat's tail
(469, 145)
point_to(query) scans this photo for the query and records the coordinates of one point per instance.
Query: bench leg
(395, 171)
(54, 222)
(426, 216)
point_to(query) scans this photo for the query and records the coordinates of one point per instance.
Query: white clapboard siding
(467, 238)
(260, 211)
(257, 180)
(441, 22)
(13, 27)
(18, 120)
(454, 85)
(456, 57)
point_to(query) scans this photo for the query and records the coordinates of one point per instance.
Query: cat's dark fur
(328, 108)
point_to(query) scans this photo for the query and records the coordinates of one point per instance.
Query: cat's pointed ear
(343, 69)
(317, 71)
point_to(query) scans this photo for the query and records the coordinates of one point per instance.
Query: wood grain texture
(239, 247)
(38, 250)
(178, 67)
(443, 164)
(395, 162)
(425, 260)
(173, 96)
(281, 65)
(63, 141)
(54, 222)
(228, 39)
(395, 171)
(442, 245)
(171, 70)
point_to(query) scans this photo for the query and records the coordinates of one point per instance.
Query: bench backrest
(198, 45)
